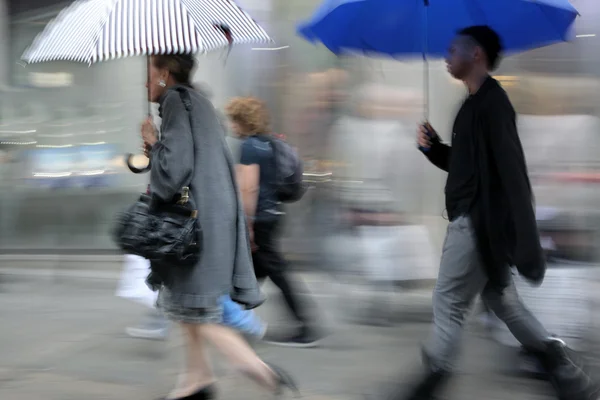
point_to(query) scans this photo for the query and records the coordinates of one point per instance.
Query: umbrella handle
(133, 168)
(129, 156)
(431, 136)
(148, 66)
(425, 60)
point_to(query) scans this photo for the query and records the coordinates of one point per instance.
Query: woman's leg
(240, 354)
(197, 372)
(269, 261)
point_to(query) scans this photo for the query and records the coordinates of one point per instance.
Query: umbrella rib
(543, 10)
(367, 46)
(481, 12)
(95, 44)
(204, 30)
(352, 23)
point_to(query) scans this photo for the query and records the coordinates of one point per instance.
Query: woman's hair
(180, 66)
(250, 113)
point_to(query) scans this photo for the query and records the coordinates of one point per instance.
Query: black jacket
(503, 213)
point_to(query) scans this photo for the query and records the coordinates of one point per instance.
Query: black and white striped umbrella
(90, 31)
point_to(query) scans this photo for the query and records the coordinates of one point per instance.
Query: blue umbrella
(427, 27)
(405, 27)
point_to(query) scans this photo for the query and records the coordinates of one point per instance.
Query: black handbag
(164, 233)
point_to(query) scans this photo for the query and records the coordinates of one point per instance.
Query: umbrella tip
(224, 28)
(228, 35)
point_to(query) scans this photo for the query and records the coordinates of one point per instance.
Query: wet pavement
(64, 340)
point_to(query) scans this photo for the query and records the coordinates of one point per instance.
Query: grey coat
(192, 151)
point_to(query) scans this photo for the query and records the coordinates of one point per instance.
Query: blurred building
(64, 127)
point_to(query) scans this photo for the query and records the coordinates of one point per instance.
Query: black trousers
(269, 263)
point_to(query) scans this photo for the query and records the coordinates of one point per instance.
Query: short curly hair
(250, 113)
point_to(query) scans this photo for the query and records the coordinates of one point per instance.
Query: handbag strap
(187, 102)
(184, 95)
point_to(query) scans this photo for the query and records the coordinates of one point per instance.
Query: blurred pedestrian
(257, 177)
(192, 152)
(155, 326)
(372, 148)
(133, 286)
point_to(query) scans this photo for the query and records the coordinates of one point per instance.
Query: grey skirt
(175, 312)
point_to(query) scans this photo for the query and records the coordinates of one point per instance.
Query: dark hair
(488, 40)
(180, 66)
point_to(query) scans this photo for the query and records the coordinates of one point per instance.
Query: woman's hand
(149, 134)
(146, 148)
(253, 246)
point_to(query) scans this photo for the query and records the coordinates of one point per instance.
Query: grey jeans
(460, 280)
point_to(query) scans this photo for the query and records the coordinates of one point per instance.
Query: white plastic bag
(398, 253)
(132, 285)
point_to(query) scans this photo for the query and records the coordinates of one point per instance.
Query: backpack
(289, 171)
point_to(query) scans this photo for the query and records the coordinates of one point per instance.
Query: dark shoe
(567, 373)
(425, 389)
(207, 393)
(428, 383)
(284, 381)
(307, 338)
(529, 365)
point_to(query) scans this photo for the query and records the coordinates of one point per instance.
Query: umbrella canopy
(90, 31)
(416, 27)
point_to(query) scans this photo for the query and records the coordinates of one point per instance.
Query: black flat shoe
(206, 393)
(284, 381)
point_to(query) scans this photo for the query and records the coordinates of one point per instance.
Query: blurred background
(64, 128)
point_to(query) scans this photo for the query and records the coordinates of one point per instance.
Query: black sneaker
(568, 374)
(428, 386)
(304, 339)
(425, 387)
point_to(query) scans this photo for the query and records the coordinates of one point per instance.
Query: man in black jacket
(492, 224)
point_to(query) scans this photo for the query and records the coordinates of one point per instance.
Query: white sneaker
(156, 328)
(263, 332)
(150, 334)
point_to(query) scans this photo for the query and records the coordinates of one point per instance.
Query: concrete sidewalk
(352, 297)
(64, 340)
(411, 303)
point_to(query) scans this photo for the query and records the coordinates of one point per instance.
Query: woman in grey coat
(192, 152)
